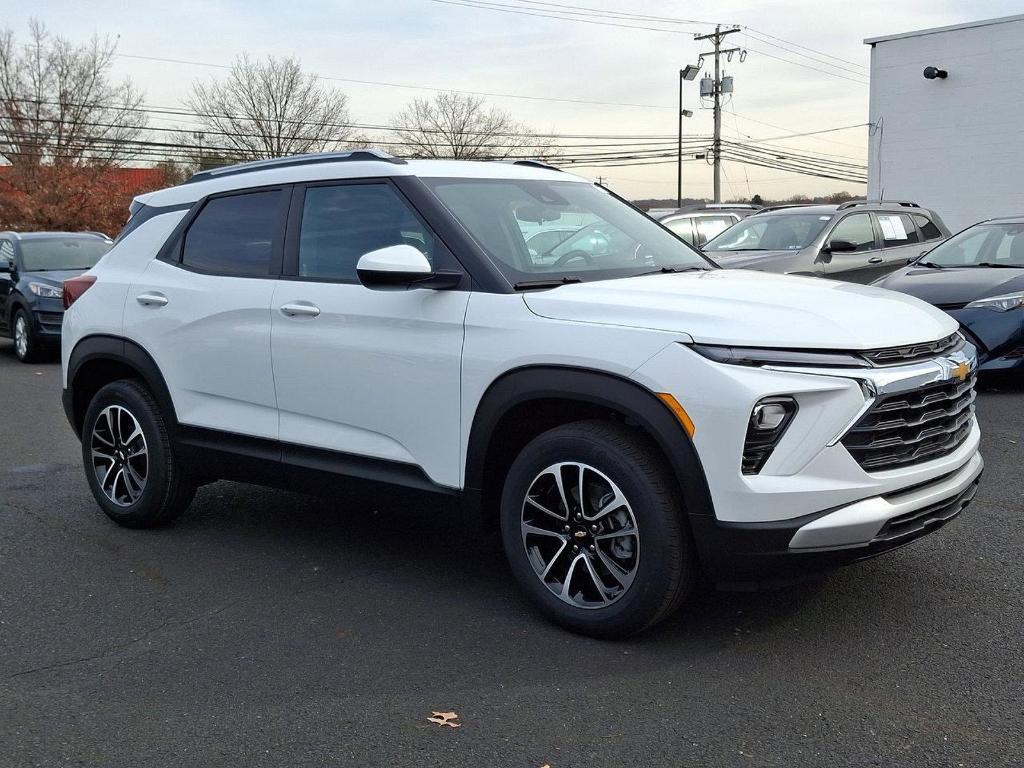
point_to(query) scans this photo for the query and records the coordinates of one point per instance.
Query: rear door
(202, 311)
(858, 265)
(374, 374)
(901, 242)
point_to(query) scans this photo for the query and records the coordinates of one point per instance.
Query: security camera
(931, 73)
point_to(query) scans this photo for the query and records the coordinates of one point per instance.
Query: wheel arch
(527, 401)
(98, 360)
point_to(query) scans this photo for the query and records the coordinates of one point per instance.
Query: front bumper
(999, 336)
(47, 318)
(812, 506)
(766, 554)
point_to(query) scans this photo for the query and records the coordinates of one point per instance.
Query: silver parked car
(858, 241)
(699, 223)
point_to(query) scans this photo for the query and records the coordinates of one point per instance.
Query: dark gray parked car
(858, 241)
(33, 268)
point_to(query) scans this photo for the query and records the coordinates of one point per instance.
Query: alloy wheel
(580, 535)
(21, 337)
(120, 456)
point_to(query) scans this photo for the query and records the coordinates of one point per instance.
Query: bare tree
(269, 108)
(57, 104)
(461, 127)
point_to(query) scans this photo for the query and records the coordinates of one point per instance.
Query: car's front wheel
(26, 345)
(129, 458)
(594, 530)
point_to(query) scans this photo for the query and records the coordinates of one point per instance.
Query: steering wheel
(565, 258)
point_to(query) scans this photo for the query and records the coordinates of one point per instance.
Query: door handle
(300, 310)
(875, 260)
(152, 299)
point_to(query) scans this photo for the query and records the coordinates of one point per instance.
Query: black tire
(32, 349)
(666, 563)
(167, 490)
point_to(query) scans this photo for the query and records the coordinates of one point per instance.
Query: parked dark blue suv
(33, 267)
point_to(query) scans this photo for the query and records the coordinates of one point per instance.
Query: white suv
(627, 416)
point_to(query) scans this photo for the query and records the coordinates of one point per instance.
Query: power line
(408, 86)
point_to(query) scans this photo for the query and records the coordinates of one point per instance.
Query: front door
(6, 281)
(370, 373)
(859, 265)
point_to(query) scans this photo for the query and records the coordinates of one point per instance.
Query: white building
(955, 143)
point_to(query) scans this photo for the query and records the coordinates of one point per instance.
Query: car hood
(747, 259)
(52, 277)
(750, 309)
(954, 285)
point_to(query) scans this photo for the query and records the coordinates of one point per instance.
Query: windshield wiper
(929, 264)
(999, 266)
(553, 282)
(671, 270)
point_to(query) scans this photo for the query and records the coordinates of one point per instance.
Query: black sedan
(977, 276)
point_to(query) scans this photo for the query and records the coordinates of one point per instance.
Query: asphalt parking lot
(276, 629)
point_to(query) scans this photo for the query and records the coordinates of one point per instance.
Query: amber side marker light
(74, 288)
(678, 411)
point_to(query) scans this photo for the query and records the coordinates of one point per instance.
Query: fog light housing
(769, 420)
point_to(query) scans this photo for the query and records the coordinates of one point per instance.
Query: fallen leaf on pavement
(445, 718)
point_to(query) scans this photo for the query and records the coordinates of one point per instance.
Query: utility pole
(717, 37)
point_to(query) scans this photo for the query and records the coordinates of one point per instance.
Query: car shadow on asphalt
(406, 546)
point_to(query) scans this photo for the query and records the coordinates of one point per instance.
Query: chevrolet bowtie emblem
(960, 371)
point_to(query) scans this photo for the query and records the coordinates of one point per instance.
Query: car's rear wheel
(129, 458)
(26, 346)
(594, 530)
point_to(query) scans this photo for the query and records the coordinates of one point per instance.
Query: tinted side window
(236, 235)
(928, 229)
(341, 223)
(857, 230)
(6, 250)
(897, 230)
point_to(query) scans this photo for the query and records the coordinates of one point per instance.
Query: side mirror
(402, 266)
(839, 246)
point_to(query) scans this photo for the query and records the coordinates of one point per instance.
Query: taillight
(75, 287)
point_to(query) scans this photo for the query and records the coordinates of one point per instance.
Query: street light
(689, 73)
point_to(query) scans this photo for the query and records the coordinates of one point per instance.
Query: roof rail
(783, 206)
(532, 164)
(855, 203)
(313, 158)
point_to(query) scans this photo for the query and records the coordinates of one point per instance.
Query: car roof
(352, 165)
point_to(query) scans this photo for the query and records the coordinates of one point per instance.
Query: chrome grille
(913, 352)
(911, 427)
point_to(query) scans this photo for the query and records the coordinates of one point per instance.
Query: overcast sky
(442, 45)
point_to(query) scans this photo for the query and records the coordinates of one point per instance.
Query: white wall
(954, 145)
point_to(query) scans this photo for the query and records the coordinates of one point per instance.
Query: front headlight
(46, 291)
(1000, 303)
(756, 356)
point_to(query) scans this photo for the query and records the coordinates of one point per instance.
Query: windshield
(991, 244)
(58, 253)
(608, 239)
(782, 232)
